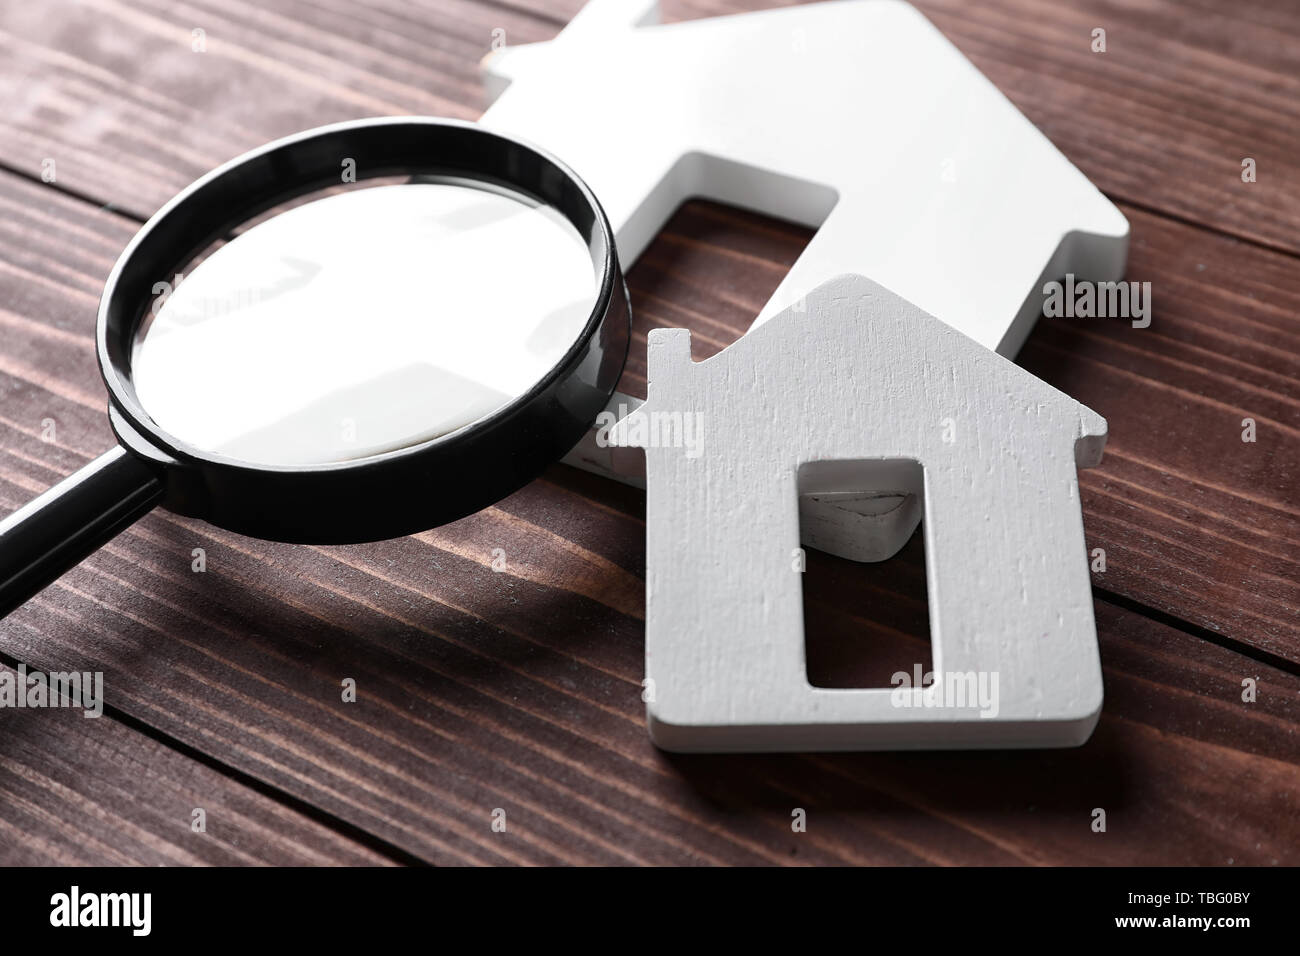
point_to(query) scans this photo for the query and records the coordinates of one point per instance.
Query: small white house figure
(860, 391)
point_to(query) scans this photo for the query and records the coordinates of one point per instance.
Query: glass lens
(364, 322)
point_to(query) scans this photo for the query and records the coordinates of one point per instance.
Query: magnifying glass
(354, 333)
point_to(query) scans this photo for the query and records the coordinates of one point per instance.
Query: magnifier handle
(45, 537)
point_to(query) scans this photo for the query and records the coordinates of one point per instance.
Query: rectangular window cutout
(866, 620)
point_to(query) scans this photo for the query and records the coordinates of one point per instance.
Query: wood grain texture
(1195, 522)
(1162, 119)
(78, 790)
(521, 690)
(114, 92)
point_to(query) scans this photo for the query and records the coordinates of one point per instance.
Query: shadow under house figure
(859, 390)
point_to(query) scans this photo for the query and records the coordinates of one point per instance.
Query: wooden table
(521, 690)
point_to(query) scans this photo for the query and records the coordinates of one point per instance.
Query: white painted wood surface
(851, 395)
(856, 117)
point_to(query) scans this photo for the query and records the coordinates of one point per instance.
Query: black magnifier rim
(115, 331)
(533, 430)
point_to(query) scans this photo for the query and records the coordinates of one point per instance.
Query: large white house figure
(857, 118)
(853, 390)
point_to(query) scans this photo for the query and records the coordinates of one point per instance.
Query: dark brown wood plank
(79, 790)
(521, 690)
(1195, 521)
(113, 92)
